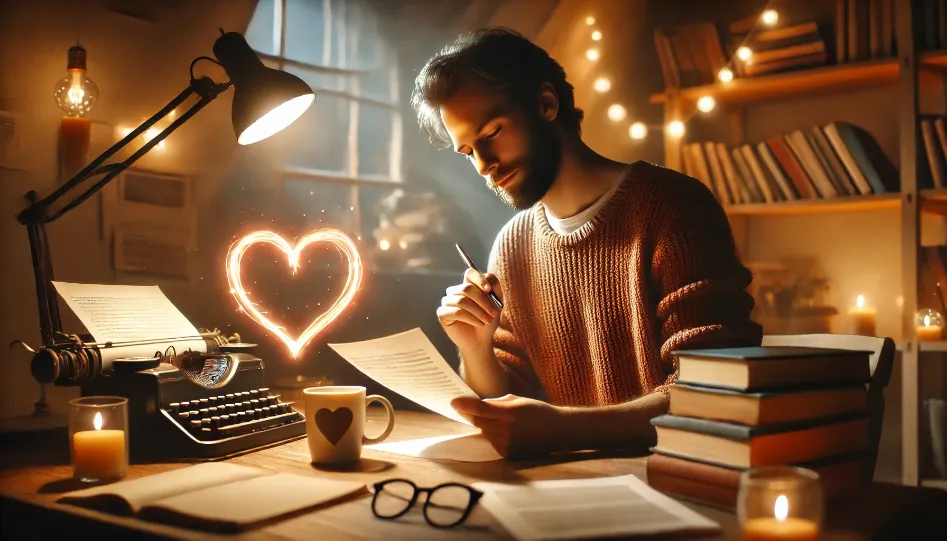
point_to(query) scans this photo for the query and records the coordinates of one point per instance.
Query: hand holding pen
(470, 311)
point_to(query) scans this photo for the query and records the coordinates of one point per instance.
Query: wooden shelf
(856, 203)
(824, 80)
(933, 346)
(934, 201)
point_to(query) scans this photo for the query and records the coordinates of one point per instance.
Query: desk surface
(32, 479)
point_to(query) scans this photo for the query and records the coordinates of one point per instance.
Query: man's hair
(498, 59)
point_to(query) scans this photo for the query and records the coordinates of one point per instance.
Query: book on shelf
(838, 159)
(216, 496)
(779, 49)
(690, 55)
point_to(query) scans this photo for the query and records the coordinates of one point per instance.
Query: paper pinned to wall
(120, 313)
(410, 365)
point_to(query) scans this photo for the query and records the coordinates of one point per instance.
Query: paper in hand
(410, 365)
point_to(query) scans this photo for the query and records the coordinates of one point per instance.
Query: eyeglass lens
(393, 499)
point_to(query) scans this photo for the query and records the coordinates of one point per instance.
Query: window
(352, 134)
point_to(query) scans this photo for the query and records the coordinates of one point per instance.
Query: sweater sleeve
(508, 349)
(699, 281)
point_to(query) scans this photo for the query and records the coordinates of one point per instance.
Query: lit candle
(930, 330)
(780, 526)
(863, 317)
(99, 454)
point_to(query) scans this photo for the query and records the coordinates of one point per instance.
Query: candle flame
(97, 422)
(860, 301)
(927, 321)
(352, 281)
(781, 509)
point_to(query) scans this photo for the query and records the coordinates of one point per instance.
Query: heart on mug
(338, 239)
(334, 424)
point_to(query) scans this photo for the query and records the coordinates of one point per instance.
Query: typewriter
(200, 405)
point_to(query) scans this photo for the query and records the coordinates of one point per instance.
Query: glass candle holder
(929, 324)
(98, 438)
(780, 503)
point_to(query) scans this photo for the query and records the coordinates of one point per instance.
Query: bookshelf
(907, 72)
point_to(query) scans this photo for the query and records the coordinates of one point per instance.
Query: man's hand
(517, 427)
(467, 314)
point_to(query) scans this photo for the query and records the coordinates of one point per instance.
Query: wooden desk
(31, 479)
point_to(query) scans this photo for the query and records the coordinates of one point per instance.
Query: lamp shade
(265, 100)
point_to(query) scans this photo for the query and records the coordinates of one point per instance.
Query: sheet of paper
(409, 364)
(469, 447)
(117, 313)
(583, 508)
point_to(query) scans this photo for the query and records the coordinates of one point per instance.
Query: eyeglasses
(446, 506)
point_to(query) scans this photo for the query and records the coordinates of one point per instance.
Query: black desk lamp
(265, 101)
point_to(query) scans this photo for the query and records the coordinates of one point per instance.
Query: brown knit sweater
(591, 318)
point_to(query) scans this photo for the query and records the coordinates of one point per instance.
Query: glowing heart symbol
(336, 238)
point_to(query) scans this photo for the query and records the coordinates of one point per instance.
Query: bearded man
(606, 270)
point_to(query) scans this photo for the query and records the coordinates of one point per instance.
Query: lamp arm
(117, 168)
(35, 216)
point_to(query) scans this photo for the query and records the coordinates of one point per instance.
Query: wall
(139, 65)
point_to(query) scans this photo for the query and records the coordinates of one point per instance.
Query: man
(607, 269)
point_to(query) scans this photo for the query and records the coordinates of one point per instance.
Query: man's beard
(541, 170)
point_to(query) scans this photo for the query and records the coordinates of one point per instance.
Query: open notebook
(216, 496)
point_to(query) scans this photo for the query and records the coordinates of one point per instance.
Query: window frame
(351, 175)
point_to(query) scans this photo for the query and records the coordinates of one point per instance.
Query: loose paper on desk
(117, 313)
(584, 508)
(409, 364)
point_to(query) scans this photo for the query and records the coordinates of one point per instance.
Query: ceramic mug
(335, 422)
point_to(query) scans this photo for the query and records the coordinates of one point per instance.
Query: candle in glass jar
(780, 527)
(99, 454)
(863, 317)
(930, 330)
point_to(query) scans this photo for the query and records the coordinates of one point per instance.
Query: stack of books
(741, 408)
(779, 49)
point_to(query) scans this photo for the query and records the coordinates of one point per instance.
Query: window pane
(305, 32)
(260, 32)
(319, 139)
(376, 84)
(374, 140)
(320, 80)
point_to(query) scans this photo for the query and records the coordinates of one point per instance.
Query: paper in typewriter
(620, 506)
(410, 365)
(119, 313)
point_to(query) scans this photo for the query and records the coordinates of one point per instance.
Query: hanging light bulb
(744, 53)
(725, 75)
(592, 54)
(616, 112)
(602, 84)
(596, 35)
(638, 130)
(770, 17)
(706, 104)
(676, 129)
(76, 94)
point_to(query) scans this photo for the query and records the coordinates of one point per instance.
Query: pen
(470, 265)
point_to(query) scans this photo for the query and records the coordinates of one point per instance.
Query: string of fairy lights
(769, 18)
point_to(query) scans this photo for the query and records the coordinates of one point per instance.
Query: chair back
(881, 362)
